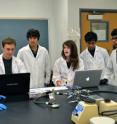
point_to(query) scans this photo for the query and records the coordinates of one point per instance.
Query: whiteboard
(17, 29)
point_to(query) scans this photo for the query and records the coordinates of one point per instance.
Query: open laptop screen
(85, 79)
(15, 84)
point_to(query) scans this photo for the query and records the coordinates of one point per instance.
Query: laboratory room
(58, 62)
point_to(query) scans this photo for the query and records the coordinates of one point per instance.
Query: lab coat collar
(29, 49)
(65, 64)
(14, 64)
(38, 52)
(2, 64)
(96, 50)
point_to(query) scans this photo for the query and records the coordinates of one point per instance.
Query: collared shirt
(34, 52)
(92, 52)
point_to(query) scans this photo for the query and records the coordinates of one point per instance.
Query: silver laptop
(87, 79)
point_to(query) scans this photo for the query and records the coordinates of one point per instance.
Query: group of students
(34, 59)
(92, 58)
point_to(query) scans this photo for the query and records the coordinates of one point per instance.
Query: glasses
(114, 40)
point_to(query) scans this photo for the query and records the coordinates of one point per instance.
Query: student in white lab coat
(8, 63)
(112, 63)
(94, 57)
(36, 60)
(66, 66)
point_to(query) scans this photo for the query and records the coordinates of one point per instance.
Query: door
(109, 18)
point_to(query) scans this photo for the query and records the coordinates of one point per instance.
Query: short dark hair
(33, 33)
(74, 58)
(8, 41)
(90, 36)
(114, 33)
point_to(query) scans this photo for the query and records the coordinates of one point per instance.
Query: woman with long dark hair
(67, 64)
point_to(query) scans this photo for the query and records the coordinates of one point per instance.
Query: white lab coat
(39, 66)
(111, 72)
(17, 65)
(63, 73)
(98, 62)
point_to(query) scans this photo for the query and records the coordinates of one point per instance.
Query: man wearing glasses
(114, 38)
(112, 63)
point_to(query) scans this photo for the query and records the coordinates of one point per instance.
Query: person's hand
(58, 82)
(103, 81)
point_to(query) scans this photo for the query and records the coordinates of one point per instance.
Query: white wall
(54, 10)
(74, 5)
(37, 9)
(25, 8)
(60, 14)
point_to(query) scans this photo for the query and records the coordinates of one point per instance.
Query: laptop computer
(15, 84)
(87, 79)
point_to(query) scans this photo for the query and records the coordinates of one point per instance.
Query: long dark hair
(74, 59)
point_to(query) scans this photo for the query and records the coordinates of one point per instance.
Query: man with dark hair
(33, 33)
(94, 57)
(8, 63)
(114, 38)
(111, 72)
(36, 60)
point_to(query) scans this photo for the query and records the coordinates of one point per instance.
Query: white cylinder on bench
(102, 120)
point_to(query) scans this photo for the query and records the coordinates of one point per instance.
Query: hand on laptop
(104, 81)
